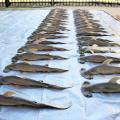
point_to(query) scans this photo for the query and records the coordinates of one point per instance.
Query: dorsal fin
(107, 62)
(92, 51)
(88, 49)
(9, 93)
(115, 80)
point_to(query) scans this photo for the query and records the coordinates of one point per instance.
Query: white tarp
(15, 27)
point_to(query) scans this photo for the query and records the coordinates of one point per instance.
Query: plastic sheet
(15, 28)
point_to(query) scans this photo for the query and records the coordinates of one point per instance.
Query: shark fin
(92, 51)
(115, 80)
(9, 93)
(89, 50)
(107, 62)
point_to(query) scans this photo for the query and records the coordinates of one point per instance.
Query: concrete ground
(113, 11)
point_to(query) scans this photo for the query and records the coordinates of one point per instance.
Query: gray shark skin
(39, 47)
(101, 70)
(43, 42)
(106, 87)
(27, 82)
(35, 57)
(98, 59)
(25, 67)
(20, 102)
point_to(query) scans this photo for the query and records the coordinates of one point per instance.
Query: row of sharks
(52, 27)
(88, 33)
(91, 43)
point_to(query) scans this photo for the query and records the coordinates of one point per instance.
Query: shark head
(8, 68)
(21, 50)
(15, 59)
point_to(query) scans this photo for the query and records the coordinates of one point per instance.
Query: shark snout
(6, 70)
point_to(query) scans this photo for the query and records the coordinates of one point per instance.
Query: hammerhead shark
(103, 69)
(26, 67)
(113, 86)
(35, 57)
(39, 47)
(27, 82)
(98, 59)
(7, 99)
